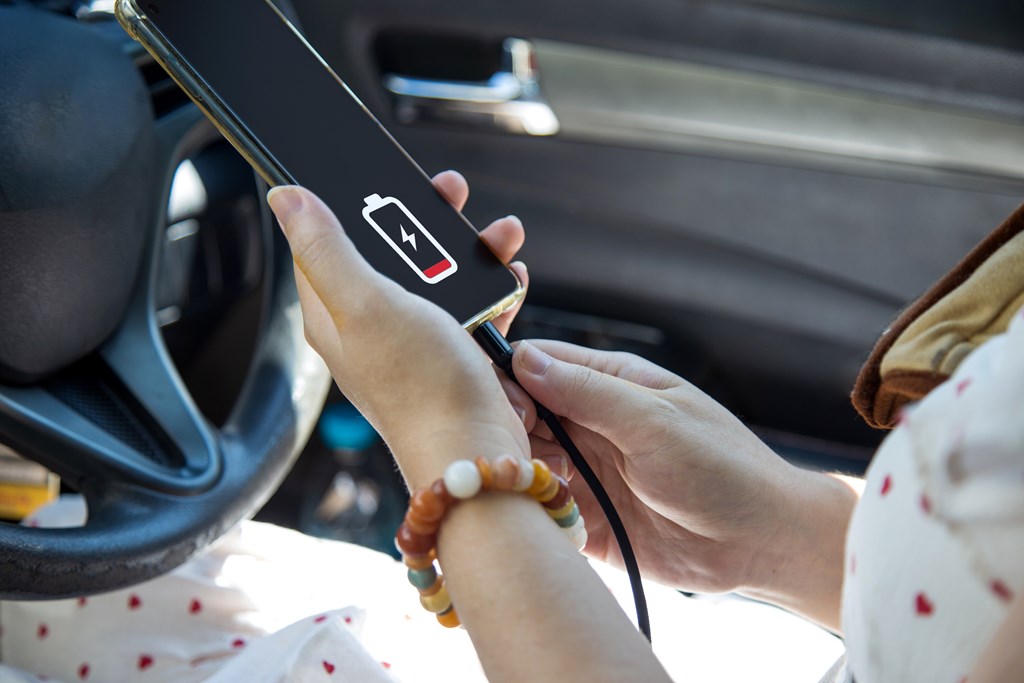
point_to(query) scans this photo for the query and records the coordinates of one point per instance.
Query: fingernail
(521, 412)
(285, 201)
(452, 172)
(532, 359)
(558, 464)
(513, 217)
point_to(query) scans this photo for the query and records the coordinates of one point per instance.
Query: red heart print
(134, 601)
(962, 385)
(42, 631)
(926, 504)
(348, 619)
(320, 619)
(82, 601)
(328, 667)
(386, 665)
(83, 671)
(1001, 590)
(195, 607)
(238, 643)
(923, 605)
(145, 661)
(886, 484)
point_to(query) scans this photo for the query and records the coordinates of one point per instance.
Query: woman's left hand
(424, 384)
(405, 363)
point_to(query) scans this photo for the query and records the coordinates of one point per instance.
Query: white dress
(269, 605)
(935, 549)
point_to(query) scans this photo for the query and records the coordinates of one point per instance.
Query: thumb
(600, 402)
(320, 248)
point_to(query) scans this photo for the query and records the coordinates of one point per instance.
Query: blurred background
(746, 192)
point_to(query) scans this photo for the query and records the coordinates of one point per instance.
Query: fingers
(541, 429)
(332, 266)
(505, 237)
(541, 446)
(454, 188)
(627, 366)
(554, 455)
(600, 402)
(519, 399)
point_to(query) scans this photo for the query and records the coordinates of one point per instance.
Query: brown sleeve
(879, 399)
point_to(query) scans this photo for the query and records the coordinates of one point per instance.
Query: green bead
(569, 519)
(422, 578)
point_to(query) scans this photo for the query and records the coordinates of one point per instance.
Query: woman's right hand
(708, 506)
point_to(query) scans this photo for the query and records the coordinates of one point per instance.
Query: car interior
(744, 191)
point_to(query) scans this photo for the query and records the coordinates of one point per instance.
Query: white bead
(462, 479)
(578, 534)
(576, 526)
(525, 479)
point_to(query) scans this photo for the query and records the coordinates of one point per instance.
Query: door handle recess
(510, 100)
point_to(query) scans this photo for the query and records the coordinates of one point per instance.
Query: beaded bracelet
(416, 538)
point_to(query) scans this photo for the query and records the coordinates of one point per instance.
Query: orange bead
(441, 493)
(541, 477)
(419, 561)
(410, 543)
(426, 505)
(561, 496)
(434, 588)
(419, 525)
(505, 472)
(449, 619)
(549, 491)
(486, 477)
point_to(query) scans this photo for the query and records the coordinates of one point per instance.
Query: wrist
(801, 565)
(423, 452)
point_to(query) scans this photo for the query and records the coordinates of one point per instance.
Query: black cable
(500, 351)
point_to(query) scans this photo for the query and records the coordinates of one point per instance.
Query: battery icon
(410, 240)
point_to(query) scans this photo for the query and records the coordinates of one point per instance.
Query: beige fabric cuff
(928, 340)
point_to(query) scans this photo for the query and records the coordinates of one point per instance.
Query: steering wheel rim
(148, 511)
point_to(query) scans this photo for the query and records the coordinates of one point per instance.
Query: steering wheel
(87, 387)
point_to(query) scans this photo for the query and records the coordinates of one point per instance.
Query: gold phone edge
(135, 22)
(497, 309)
(137, 25)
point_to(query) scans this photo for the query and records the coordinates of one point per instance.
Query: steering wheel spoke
(80, 427)
(181, 450)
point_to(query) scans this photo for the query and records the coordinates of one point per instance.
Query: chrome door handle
(510, 100)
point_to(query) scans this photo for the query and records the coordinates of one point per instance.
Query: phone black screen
(324, 138)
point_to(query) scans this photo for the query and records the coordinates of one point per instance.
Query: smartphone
(284, 109)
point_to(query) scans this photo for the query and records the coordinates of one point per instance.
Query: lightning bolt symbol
(406, 237)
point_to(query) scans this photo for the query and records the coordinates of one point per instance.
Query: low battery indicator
(409, 239)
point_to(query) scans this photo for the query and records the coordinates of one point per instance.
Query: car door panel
(767, 185)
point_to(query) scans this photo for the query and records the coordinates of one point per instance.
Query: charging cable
(500, 351)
